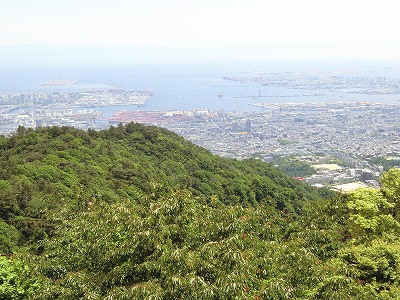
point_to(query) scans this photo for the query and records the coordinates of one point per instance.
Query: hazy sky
(361, 28)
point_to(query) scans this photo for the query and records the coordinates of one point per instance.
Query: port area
(340, 82)
(150, 117)
(64, 103)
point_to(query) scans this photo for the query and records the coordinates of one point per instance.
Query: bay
(200, 86)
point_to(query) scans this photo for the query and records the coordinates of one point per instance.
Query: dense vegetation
(293, 166)
(103, 234)
(42, 170)
(385, 162)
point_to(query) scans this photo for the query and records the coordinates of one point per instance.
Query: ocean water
(196, 86)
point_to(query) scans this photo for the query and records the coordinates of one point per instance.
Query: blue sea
(197, 85)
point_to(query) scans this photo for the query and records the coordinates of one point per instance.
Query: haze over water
(194, 86)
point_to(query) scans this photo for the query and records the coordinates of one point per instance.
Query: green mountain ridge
(43, 169)
(137, 212)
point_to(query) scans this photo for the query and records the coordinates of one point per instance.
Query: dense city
(340, 140)
(60, 107)
(342, 144)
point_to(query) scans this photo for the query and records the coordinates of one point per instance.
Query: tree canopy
(42, 170)
(136, 212)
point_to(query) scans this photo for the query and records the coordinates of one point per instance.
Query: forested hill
(136, 212)
(41, 169)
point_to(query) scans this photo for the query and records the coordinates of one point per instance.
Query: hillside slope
(137, 212)
(43, 169)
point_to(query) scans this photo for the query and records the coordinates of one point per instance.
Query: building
(247, 127)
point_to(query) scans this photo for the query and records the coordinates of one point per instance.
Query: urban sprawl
(344, 142)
